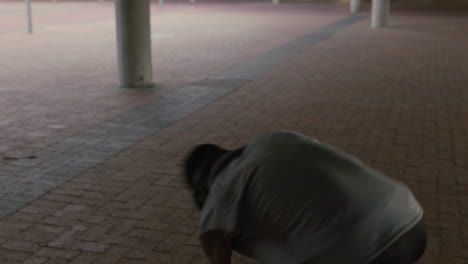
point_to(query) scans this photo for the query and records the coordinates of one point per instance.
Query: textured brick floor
(70, 62)
(395, 97)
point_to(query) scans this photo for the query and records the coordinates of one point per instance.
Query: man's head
(197, 167)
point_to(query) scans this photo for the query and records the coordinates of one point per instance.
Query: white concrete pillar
(161, 5)
(134, 43)
(355, 6)
(29, 16)
(276, 2)
(380, 13)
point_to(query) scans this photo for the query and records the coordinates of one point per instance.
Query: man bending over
(289, 199)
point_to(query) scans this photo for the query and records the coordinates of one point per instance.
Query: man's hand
(217, 246)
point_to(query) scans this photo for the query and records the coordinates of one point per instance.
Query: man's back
(292, 199)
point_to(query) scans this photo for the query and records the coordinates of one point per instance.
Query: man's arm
(217, 246)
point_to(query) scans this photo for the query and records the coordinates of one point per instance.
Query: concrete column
(29, 16)
(134, 43)
(276, 2)
(161, 4)
(355, 5)
(380, 13)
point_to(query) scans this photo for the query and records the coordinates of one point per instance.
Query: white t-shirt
(294, 200)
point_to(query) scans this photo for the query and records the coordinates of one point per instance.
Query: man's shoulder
(282, 136)
(281, 133)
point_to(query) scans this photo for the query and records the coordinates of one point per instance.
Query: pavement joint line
(28, 179)
(254, 68)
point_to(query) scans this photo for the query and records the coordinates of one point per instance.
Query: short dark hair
(197, 167)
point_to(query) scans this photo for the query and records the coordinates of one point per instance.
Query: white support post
(276, 2)
(29, 16)
(355, 6)
(161, 5)
(380, 13)
(134, 43)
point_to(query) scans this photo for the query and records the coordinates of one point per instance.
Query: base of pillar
(138, 86)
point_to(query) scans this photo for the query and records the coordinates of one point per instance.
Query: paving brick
(12, 255)
(48, 252)
(113, 255)
(6, 261)
(84, 259)
(57, 260)
(11, 230)
(35, 260)
(42, 233)
(42, 207)
(68, 191)
(133, 261)
(59, 221)
(75, 211)
(435, 259)
(21, 245)
(93, 233)
(88, 246)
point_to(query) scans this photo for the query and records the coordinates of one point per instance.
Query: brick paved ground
(394, 97)
(70, 60)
